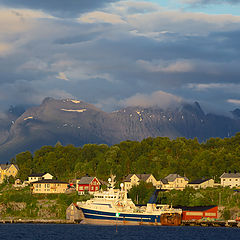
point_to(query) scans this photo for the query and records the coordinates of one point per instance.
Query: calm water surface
(90, 232)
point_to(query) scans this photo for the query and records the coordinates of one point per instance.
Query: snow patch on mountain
(26, 118)
(74, 110)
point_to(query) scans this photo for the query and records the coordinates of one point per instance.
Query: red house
(196, 213)
(87, 184)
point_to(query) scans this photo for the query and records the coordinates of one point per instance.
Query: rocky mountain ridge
(76, 122)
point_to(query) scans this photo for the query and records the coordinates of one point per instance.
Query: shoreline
(38, 221)
(63, 221)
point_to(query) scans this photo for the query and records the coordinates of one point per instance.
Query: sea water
(91, 232)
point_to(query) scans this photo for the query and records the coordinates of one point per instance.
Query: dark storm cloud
(77, 38)
(59, 8)
(107, 57)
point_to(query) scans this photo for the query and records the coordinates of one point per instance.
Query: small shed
(74, 213)
(197, 213)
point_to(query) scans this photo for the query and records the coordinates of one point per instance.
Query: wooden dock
(211, 223)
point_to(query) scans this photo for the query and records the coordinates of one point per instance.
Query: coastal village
(46, 183)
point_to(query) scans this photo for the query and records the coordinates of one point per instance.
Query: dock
(211, 223)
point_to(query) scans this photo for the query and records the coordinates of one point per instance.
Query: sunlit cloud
(234, 101)
(98, 16)
(62, 76)
(158, 98)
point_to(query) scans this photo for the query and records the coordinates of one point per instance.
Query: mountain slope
(76, 122)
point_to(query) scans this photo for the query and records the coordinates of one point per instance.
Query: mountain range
(76, 122)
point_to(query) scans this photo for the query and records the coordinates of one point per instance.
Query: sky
(121, 53)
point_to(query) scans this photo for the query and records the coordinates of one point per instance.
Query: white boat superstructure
(107, 206)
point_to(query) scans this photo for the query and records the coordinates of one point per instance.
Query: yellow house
(34, 177)
(7, 170)
(134, 179)
(49, 186)
(174, 181)
(202, 183)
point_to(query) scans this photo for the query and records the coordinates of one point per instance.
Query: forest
(159, 156)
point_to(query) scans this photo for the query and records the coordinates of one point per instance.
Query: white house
(230, 179)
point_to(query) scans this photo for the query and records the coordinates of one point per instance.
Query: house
(39, 176)
(88, 184)
(202, 183)
(134, 179)
(49, 186)
(197, 213)
(230, 179)
(7, 170)
(74, 213)
(174, 181)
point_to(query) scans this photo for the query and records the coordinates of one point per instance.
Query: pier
(211, 223)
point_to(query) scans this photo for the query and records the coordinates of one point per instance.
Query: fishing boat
(113, 207)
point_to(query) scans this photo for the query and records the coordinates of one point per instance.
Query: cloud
(121, 53)
(158, 98)
(166, 66)
(201, 2)
(4, 48)
(59, 8)
(62, 76)
(209, 86)
(234, 101)
(23, 92)
(98, 16)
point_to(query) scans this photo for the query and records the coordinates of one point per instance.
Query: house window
(96, 188)
(80, 187)
(92, 188)
(86, 187)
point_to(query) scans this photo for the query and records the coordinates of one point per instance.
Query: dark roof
(199, 181)
(103, 182)
(164, 181)
(142, 177)
(75, 205)
(49, 181)
(36, 175)
(230, 175)
(172, 177)
(196, 209)
(85, 180)
(128, 178)
(6, 166)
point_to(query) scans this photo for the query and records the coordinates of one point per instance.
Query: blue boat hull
(110, 217)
